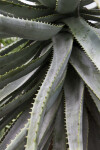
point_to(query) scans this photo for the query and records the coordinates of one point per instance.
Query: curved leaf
(7, 108)
(21, 54)
(11, 47)
(95, 99)
(85, 128)
(28, 29)
(85, 36)
(66, 6)
(49, 3)
(94, 134)
(24, 69)
(23, 11)
(85, 2)
(59, 140)
(48, 120)
(49, 18)
(73, 91)
(86, 70)
(11, 87)
(62, 49)
(15, 130)
(92, 108)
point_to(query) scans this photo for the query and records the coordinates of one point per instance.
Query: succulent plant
(50, 76)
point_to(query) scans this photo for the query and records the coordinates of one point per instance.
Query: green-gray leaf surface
(73, 91)
(62, 50)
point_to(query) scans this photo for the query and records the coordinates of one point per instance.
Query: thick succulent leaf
(66, 6)
(49, 18)
(24, 69)
(62, 49)
(4, 35)
(11, 87)
(48, 120)
(21, 146)
(23, 56)
(85, 36)
(97, 2)
(90, 11)
(55, 93)
(85, 128)
(73, 91)
(94, 134)
(15, 130)
(49, 3)
(28, 29)
(16, 1)
(20, 137)
(11, 47)
(86, 70)
(19, 57)
(95, 99)
(6, 120)
(46, 146)
(85, 2)
(59, 140)
(45, 131)
(23, 11)
(7, 108)
(97, 31)
(90, 17)
(46, 138)
(92, 107)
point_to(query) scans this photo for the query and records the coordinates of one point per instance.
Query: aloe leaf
(11, 87)
(46, 146)
(20, 137)
(21, 57)
(7, 108)
(24, 69)
(49, 3)
(62, 49)
(86, 70)
(90, 11)
(66, 6)
(92, 108)
(90, 17)
(21, 54)
(12, 46)
(21, 146)
(48, 120)
(73, 91)
(85, 2)
(95, 99)
(55, 93)
(85, 35)
(46, 128)
(23, 11)
(4, 35)
(6, 120)
(46, 138)
(97, 31)
(15, 130)
(49, 18)
(23, 94)
(85, 128)
(16, 1)
(28, 29)
(59, 140)
(94, 134)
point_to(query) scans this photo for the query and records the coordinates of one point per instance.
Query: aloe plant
(50, 76)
